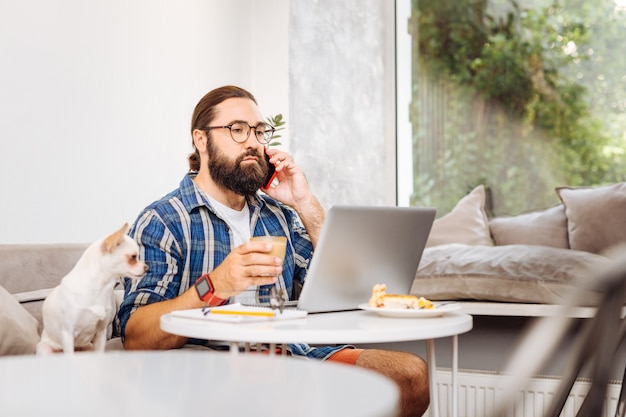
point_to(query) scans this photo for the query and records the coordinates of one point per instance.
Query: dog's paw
(44, 348)
(87, 348)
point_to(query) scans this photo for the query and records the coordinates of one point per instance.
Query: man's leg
(410, 373)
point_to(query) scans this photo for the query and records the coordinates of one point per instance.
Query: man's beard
(243, 180)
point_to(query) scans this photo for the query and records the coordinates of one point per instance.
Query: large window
(519, 96)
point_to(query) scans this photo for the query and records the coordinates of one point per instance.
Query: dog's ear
(112, 241)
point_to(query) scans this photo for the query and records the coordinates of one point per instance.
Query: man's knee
(408, 371)
(414, 373)
(406, 365)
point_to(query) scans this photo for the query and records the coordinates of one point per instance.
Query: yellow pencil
(244, 313)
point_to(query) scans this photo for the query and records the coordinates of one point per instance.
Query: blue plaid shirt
(181, 237)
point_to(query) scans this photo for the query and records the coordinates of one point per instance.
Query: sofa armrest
(35, 295)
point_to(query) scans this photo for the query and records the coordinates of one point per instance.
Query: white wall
(96, 99)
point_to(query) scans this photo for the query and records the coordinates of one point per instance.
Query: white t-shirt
(239, 224)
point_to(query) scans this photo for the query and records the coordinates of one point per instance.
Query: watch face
(203, 287)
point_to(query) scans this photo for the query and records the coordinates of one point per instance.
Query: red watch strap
(208, 296)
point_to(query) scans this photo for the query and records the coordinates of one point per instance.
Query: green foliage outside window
(521, 99)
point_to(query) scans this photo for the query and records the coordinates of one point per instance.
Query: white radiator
(478, 393)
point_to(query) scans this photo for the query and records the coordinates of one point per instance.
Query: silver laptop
(360, 246)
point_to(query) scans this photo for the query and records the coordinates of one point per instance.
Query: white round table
(341, 327)
(188, 382)
(336, 328)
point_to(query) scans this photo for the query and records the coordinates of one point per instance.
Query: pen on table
(244, 313)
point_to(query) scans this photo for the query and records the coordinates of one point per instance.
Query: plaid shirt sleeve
(161, 251)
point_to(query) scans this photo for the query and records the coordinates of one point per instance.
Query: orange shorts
(348, 356)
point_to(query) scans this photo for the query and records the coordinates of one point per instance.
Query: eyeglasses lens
(241, 131)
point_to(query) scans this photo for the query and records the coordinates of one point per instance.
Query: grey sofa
(538, 257)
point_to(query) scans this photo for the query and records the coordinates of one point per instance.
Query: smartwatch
(206, 291)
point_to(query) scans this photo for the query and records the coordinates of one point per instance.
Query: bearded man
(196, 240)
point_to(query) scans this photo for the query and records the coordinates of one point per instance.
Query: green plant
(278, 123)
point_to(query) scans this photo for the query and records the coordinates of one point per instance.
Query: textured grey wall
(342, 100)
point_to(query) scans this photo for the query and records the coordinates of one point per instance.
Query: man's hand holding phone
(292, 187)
(293, 190)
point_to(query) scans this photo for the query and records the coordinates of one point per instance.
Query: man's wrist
(312, 215)
(206, 291)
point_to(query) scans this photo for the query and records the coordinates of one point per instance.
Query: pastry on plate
(380, 298)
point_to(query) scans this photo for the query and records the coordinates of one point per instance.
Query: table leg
(272, 349)
(432, 381)
(455, 374)
(234, 348)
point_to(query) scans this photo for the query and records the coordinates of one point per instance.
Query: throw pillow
(19, 330)
(544, 228)
(511, 273)
(466, 223)
(596, 217)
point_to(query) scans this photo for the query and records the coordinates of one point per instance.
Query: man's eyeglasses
(240, 131)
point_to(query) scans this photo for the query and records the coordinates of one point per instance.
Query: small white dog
(77, 312)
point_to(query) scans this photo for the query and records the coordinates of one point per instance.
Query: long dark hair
(204, 113)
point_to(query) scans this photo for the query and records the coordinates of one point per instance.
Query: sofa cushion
(45, 265)
(544, 228)
(19, 330)
(466, 223)
(27, 269)
(512, 273)
(596, 217)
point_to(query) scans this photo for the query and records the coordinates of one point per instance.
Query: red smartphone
(271, 172)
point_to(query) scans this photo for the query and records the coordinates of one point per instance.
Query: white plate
(438, 311)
